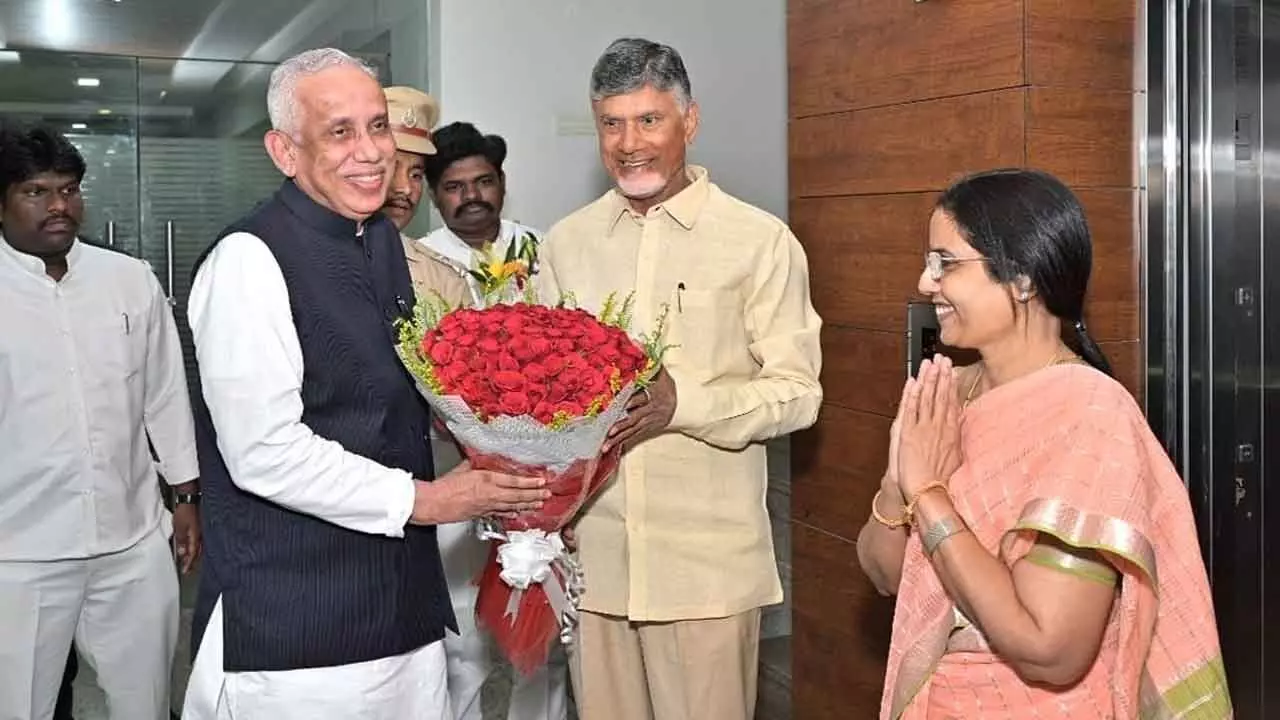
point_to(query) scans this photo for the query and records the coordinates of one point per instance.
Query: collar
(684, 207)
(318, 216)
(34, 265)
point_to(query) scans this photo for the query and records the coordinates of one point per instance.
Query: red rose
(570, 376)
(535, 372)
(555, 332)
(508, 380)
(543, 412)
(596, 335)
(507, 362)
(441, 352)
(595, 383)
(537, 393)
(565, 345)
(573, 410)
(557, 391)
(489, 344)
(513, 323)
(465, 339)
(515, 403)
(553, 364)
(451, 373)
(540, 346)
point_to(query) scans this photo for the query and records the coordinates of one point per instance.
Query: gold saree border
(1093, 531)
(1202, 694)
(1054, 558)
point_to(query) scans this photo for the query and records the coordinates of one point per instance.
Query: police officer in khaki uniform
(412, 114)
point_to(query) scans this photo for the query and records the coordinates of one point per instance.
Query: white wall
(516, 67)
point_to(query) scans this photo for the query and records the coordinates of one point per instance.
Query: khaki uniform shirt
(432, 271)
(682, 533)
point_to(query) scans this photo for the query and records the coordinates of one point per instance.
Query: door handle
(168, 261)
(111, 234)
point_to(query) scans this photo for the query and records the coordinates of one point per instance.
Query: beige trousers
(683, 670)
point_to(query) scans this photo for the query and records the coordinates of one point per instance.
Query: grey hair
(629, 64)
(282, 90)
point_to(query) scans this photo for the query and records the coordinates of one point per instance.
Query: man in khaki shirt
(677, 550)
(412, 113)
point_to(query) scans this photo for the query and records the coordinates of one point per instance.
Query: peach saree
(1065, 451)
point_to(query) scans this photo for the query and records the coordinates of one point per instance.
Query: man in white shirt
(322, 594)
(469, 187)
(90, 370)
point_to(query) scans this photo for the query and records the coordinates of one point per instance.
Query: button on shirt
(682, 532)
(90, 368)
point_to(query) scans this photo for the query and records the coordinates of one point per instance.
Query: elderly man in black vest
(322, 594)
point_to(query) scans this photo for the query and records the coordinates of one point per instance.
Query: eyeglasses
(937, 264)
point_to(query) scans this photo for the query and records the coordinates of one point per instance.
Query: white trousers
(121, 611)
(405, 686)
(541, 696)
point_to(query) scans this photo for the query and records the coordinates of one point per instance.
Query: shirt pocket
(114, 348)
(708, 331)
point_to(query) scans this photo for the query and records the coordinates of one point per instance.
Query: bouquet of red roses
(531, 390)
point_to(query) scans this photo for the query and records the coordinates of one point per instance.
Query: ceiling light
(88, 82)
(79, 126)
(10, 56)
(104, 111)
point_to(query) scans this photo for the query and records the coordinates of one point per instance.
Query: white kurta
(251, 371)
(90, 370)
(444, 241)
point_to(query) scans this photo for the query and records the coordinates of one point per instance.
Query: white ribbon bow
(531, 557)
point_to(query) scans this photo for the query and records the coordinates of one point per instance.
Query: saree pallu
(1066, 452)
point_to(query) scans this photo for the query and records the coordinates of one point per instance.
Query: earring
(1025, 296)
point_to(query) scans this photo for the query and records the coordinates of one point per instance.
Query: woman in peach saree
(1039, 541)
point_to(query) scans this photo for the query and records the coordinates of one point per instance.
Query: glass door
(201, 164)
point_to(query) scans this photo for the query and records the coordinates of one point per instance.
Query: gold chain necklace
(982, 369)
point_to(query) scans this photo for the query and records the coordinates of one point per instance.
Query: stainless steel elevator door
(1212, 271)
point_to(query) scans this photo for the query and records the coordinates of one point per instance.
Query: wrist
(426, 505)
(889, 500)
(933, 507)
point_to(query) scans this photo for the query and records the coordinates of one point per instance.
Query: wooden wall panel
(841, 635)
(951, 136)
(838, 51)
(844, 458)
(1112, 310)
(1127, 364)
(1081, 43)
(1083, 137)
(863, 369)
(871, 249)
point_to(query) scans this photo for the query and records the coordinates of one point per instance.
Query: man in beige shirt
(677, 550)
(412, 113)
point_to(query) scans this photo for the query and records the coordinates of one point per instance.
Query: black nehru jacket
(297, 591)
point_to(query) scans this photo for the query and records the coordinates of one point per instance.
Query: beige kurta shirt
(682, 533)
(432, 271)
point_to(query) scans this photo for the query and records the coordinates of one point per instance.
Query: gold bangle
(910, 514)
(891, 524)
